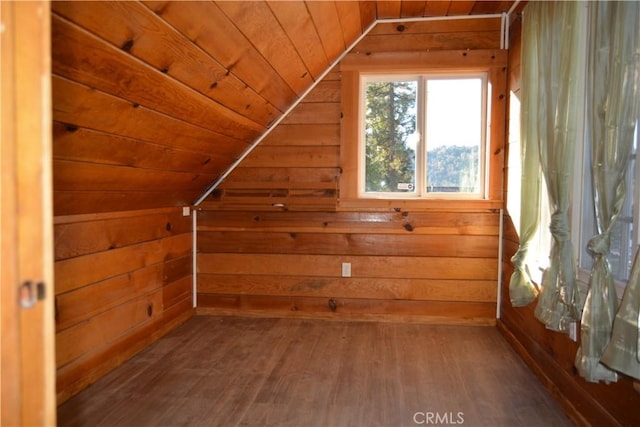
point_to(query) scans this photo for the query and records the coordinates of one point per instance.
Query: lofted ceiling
(154, 101)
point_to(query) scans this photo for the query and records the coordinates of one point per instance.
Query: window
(423, 135)
(624, 236)
(438, 99)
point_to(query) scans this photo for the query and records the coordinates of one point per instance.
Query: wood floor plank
(231, 371)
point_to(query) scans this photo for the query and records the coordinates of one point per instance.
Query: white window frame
(419, 191)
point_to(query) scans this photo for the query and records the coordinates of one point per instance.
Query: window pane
(623, 235)
(390, 136)
(454, 135)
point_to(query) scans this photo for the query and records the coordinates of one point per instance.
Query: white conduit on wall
(194, 251)
(500, 250)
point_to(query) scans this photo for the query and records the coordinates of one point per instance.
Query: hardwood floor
(226, 371)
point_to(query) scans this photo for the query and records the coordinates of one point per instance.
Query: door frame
(27, 291)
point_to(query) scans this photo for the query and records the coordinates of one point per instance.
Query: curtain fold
(613, 89)
(622, 353)
(522, 290)
(558, 93)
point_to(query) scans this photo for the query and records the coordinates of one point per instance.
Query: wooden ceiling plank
(297, 23)
(217, 36)
(257, 22)
(82, 57)
(412, 9)
(79, 106)
(91, 146)
(462, 7)
(367, 13)
(134, 28)
(437, 8)
(349, 15)
(490, 7)
(326, 20)
(389, 9)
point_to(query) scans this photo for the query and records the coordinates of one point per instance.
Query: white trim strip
(194, 253)
(500, 254)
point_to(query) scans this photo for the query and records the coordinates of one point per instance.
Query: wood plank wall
(254, 258)
(123, 279)
(550, 354)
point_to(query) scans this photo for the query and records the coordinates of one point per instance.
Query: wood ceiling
(153, 101)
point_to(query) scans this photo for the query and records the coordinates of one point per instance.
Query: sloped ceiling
(154, 101)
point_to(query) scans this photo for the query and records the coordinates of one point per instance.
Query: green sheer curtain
(613, 91)
(522, 291)
(556, 87)
(623, 353)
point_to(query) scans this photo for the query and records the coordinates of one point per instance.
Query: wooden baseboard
(393, 318)
(579, 406)
(431, 312)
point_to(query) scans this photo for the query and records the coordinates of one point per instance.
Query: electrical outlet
(186, 211)
(346, 269)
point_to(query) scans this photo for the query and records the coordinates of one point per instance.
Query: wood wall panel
(117, 274)
(422, 42)
(337, 287)
(298, 134)
(451, 268)
(350, 244)
(420, 36)
(289, 264)
(75, 236)
(429, 223)
(297, 164)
